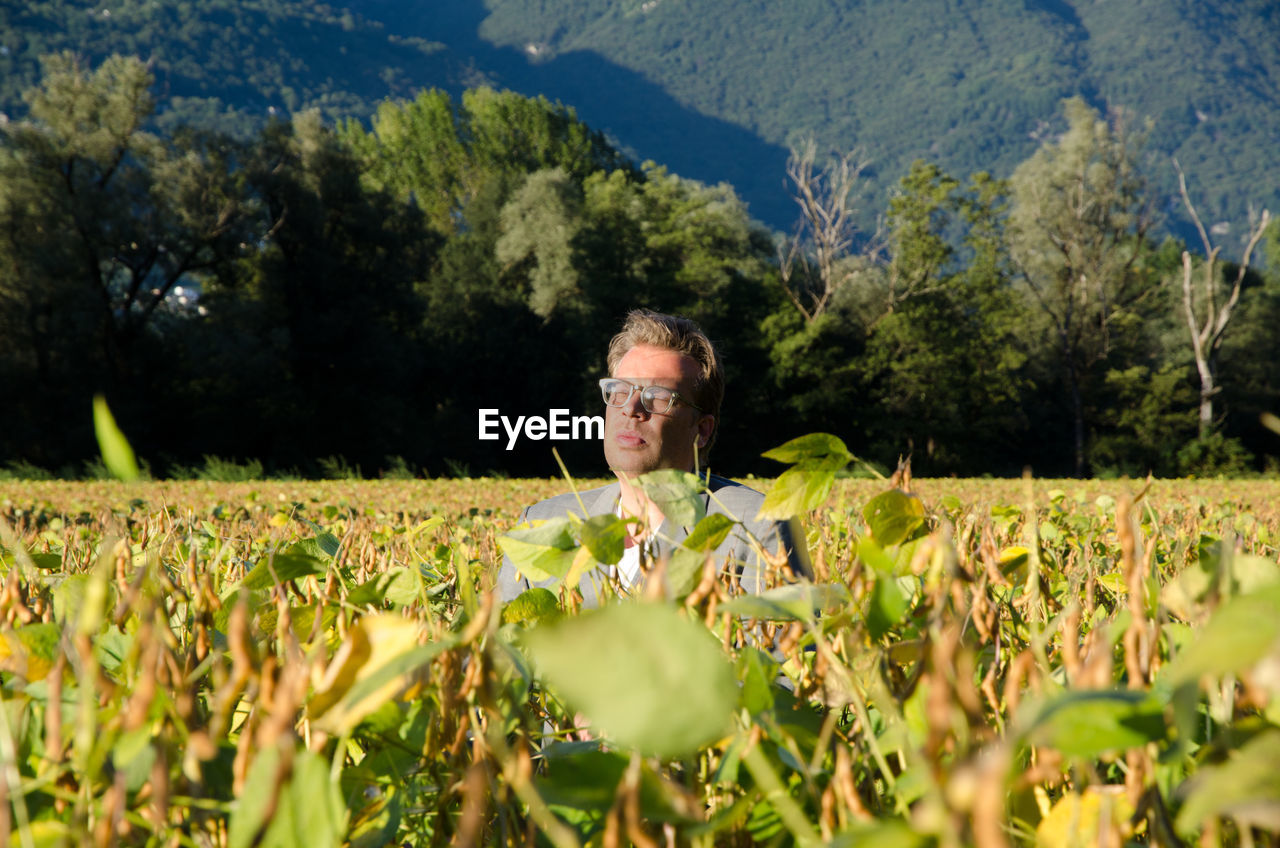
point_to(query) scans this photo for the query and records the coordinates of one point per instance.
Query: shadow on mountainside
(638, 115)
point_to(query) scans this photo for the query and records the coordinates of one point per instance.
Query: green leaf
(587, 780)
(541, 552)
(281, 568)
(323, 546)
(795, 492)
(134, 755)
(249, 815)
(893, 516)
(643, 674)
(709, 533)
(1241, 632)
(1089, 723)
(794, 602)
(1246, 787)
(116, 453)
(817, 448)
(605, 537)
(872, 555)
(47, 562)
(532, 606)
(887, 606)
(310, 811)
(677, 493)
(684, 571)
(757, 671)
(889, 833)
(375, 826)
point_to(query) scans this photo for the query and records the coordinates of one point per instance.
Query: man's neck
(634, 503)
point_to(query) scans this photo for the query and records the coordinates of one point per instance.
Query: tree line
(322, 298)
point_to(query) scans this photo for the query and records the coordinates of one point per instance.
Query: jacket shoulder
(561, 505)
(735, 499)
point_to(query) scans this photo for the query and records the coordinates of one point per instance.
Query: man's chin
(630, 463)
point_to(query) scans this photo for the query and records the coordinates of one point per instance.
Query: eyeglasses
(655, 399)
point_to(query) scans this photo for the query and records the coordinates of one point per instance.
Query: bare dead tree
(825, 232)
(1206, 313)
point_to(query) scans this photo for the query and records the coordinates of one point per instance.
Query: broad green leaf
(1241, 632)
(541, 552)
(45, 562)
(586, 780)
(677, 493)
(1246, 787)
(310, 810)
(893, 516)
(68, 597)
(887, 833)
(133, 755)
(323, 546)
(685, 567)
(817, 448)
(116, 453)
(532, 606)
(709, 533)
(281, 568)
(249, 815)
(756, 671)
(398, 586)
(886, 607)
(1089, 723)
(871, 554)
(605, 537)
(643, 674)
(796, 492)
(376, 825)
(794, 602)
(1248, 573)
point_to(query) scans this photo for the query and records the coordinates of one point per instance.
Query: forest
(332, 297)
(718, 92)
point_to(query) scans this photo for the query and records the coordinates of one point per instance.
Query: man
(662, 406)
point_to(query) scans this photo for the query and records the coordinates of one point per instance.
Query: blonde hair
(671, 332)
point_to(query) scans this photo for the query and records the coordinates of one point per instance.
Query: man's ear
(706, 426)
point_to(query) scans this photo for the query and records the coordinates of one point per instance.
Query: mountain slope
(717, 90)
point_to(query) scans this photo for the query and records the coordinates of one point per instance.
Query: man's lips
(629, 439)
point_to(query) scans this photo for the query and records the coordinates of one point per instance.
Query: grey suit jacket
(734, 500)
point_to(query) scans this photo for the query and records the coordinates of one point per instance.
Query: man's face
(637, 441)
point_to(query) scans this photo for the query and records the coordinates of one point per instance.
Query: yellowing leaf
(375, 664)
(30, 651)
(1098, 817)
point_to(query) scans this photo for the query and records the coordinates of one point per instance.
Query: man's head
(662, 350)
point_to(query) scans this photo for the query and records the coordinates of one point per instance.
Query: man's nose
(634, 406)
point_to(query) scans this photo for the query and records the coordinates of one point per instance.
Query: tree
(815, 261)
(1077, 232)
(943, 364)
(329, 308)
(1209, 308)
(444, 155)
(104, 219)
